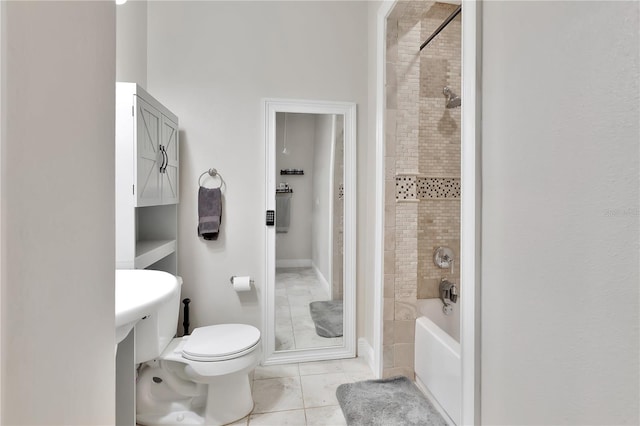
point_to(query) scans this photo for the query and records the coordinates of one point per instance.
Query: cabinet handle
(162, 162)
(164, 158)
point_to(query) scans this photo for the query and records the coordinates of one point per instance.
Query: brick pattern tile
(422, 172)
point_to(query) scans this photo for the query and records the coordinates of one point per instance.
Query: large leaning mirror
(310, 186)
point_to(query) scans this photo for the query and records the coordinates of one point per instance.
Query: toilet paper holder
(233, 276)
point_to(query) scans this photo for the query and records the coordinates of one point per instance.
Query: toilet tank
(154, 333)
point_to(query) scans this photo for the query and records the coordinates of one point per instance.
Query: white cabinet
(169, 176)
(149, 159)
(155, 140)
(147, 170)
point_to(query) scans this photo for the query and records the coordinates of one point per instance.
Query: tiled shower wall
(422, 176)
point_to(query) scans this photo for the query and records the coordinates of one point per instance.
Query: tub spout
(444, 301)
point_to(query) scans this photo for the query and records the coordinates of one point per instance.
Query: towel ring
(212, 173)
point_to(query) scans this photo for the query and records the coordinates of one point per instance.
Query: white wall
(560, 232)
(296, 243)
(321, 211)
(367, 294)
(58, 213)
(131, 42)
(3, 119)
(213, 63)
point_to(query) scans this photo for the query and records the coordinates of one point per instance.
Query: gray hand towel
(209, 212)
(283, 210)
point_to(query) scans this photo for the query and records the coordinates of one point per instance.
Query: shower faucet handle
(443, 258)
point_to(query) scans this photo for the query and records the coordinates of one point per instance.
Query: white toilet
(201, 379)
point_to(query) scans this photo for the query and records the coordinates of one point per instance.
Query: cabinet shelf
(292, 172)
(149, 252)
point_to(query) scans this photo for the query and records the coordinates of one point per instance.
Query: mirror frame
(348, 349)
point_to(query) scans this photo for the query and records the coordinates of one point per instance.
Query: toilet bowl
(201, 379)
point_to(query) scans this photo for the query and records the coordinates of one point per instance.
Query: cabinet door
(169, 177)
(149, 158)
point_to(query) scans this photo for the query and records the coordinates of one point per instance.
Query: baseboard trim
(365, 351)
(323, 281)
(293, 263)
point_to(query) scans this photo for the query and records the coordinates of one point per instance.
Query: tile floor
(302, 394)
(295, 289)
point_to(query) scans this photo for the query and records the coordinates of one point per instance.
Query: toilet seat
(220, 342)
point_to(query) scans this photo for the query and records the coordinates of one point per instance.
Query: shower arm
(441, 27)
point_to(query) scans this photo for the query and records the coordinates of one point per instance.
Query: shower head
(453, 100)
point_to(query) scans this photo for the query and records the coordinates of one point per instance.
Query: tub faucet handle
(448, 291)
(453, 293)
(445, 288)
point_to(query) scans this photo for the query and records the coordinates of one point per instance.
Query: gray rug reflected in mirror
(386, 402)
(327, 317)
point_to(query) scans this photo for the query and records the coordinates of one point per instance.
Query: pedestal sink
(139, 292)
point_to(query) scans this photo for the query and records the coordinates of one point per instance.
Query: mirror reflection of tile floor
(295, 289)
(302, 394)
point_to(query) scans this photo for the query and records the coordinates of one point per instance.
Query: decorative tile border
(406, 188)
(438, 188)
(411, 188)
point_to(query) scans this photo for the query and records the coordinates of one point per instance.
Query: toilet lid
(220, 342)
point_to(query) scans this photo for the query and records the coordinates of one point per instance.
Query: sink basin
(139, 292)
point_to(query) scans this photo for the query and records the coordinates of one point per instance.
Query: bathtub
(437, 356)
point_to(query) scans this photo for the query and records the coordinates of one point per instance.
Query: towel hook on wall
(213, 173)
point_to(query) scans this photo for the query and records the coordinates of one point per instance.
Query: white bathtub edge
(437, 366)
(434, 401)
(449, 342)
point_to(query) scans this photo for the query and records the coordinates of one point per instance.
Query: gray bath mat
(386, 402)
(327, 317)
